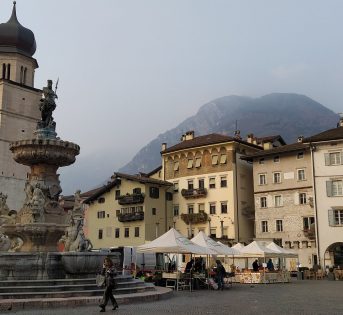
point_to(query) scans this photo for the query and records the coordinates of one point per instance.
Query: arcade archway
(334, 255)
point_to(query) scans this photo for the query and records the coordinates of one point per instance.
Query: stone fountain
(31, 240)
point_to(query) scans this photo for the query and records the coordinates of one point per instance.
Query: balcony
(194, 218)
(194, 193)
(127, 217)
(130, 199)
(310, 233)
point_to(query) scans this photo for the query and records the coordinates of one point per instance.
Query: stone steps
(63, 288)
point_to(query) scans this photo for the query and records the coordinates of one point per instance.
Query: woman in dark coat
(109, 272)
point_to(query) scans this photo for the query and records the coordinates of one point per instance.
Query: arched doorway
(334, 255)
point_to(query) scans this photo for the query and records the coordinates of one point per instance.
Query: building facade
(212, 186)
(327, 159)
(128, 211)
(283, 192)
(19, 103)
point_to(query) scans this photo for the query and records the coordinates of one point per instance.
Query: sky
(130, 70)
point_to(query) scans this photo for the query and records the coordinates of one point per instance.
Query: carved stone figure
(4, 210)
(47, 106)
(16, 244)
(77, 208)
(37, 204)
(28, 192)
(5, 243)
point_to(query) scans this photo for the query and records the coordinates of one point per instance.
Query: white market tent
(238, 246)
(205, 241)
(285, 253)
(228, 249)
(174, 242)
(259, 249)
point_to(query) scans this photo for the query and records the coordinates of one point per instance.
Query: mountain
(285, 114)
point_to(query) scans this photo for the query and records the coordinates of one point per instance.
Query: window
(117, 213)
(276, 159)
(223, 181)
(333, 158)
(127, 232)
(117, 194)
(264, 226)
(190, 163)
(278, 201)
(261, 161)
(212, 208)
(190, 184)
(278, 241)
(100, 232)
(307, 221)
(176, 186)
(154, 192)
(225, 232)
(176, 210)
(201, 207)
(117, 233)
(214, 159)
(279, 227)
(223, 159)
(201, 183)
(262, 179)
(153, 211)
(300, 155)
(198, 162)
(338, 215)
(8, 72)
(213, 232)
(101, 200)
(301, 174)
(190, 209)
(334, 188)
(176, 166)
(263, 202)
(137, 190)
(223, 207)
(101, 214)
(302, 198)
(277, 177)
(3, 71)
(169, 196)
(137, 231)
(212, 182)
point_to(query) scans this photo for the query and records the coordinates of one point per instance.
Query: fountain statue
(30, 240)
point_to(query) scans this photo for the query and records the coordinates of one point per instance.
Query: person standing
(255, 265)
(109, 272)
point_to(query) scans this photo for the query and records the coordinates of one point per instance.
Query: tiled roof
(283, 149)
(200, 141)
(331, 134)
(115, 180)
(270, 139)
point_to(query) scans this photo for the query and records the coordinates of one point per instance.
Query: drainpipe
(312, 149)
(236, 192)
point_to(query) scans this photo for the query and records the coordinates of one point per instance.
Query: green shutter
(327, 159)
(331, 214)
(329, 188)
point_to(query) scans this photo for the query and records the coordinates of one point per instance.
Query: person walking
(220, 274)
(109, 272)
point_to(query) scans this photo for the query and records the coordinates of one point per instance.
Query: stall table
(262, 277)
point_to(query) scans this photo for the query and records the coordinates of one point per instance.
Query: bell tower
(19, 103)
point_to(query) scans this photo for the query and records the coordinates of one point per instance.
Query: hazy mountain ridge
(288, 115)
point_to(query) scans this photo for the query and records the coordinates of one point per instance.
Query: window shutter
(296, 198)
(329, 188)
(331, 217)
(281, 200)
(327, 159)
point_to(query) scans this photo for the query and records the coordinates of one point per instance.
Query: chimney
(300, 139)
(250, 136)
(164, 146)
(189, 135)
(183, 137)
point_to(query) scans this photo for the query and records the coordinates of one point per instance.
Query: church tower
(19, 103)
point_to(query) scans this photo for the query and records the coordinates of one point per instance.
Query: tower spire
(13, 17)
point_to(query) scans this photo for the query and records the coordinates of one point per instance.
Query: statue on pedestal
(4, 210)
(47, 106)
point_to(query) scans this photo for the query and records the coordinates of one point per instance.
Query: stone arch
(334, 255)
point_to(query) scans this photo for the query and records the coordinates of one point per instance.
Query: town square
(238, 209)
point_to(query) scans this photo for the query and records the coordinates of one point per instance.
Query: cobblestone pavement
(298, 297)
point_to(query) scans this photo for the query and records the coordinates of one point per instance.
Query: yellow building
(129, 211)
(213, 187)
(19, 110)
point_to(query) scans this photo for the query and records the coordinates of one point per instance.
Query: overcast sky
(132, 69)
